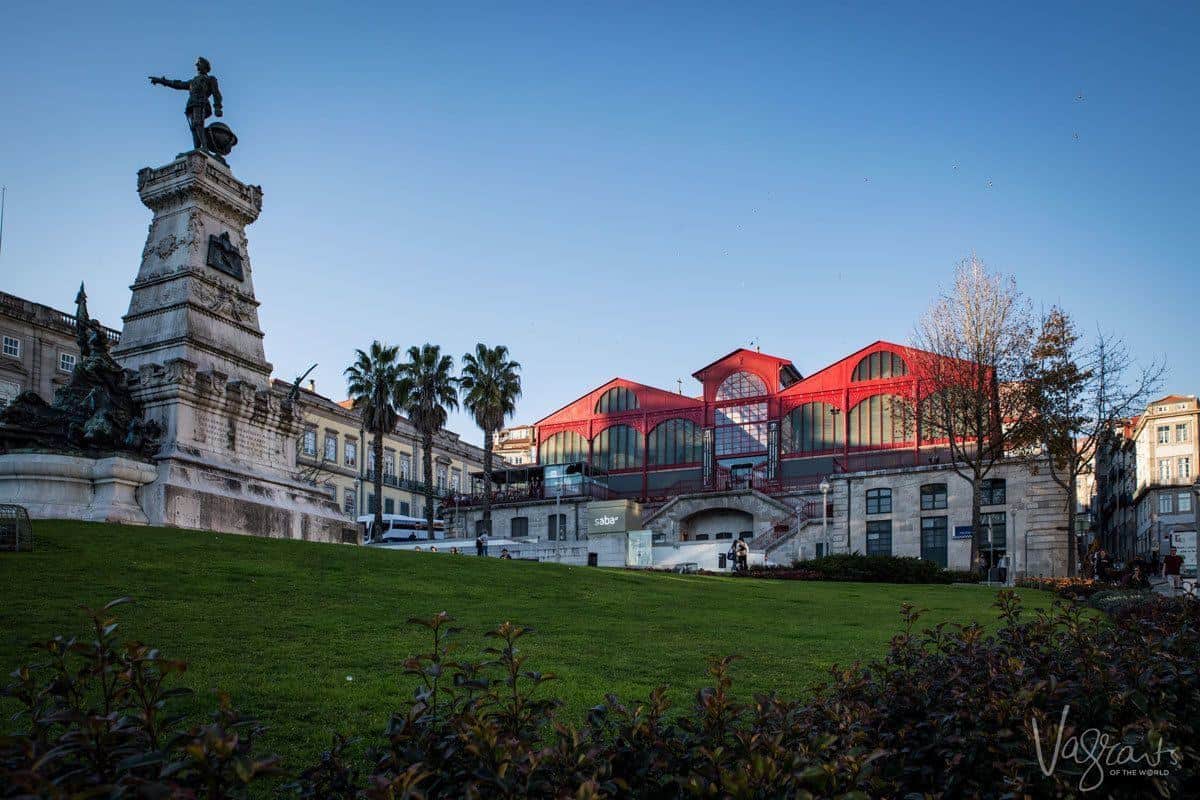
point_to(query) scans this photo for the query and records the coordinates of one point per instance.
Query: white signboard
(1184, 543)
(640, 552)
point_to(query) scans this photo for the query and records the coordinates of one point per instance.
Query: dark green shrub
(99, 723)
(1069, 588)
(1138, 604)
(877, 569)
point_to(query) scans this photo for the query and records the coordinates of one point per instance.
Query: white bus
(399, 528)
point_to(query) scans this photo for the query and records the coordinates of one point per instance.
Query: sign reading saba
(614, 516)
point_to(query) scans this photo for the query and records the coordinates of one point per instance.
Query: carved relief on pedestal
(161, 248)
(223, 301)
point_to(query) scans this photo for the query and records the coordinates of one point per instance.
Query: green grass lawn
(280, 624)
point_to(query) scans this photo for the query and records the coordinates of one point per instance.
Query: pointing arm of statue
(169, 83)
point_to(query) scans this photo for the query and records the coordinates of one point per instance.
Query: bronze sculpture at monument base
(94, 414)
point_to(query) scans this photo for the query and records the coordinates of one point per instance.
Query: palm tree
(377, 392)
(491, 387)
(430, 393)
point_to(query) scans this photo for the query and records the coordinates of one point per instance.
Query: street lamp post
(825, 512)
(991, 525)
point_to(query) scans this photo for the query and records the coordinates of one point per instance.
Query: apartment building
(336, 452)
(1165, 440)
(37, 348)
(516, 445)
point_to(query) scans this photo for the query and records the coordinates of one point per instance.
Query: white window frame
(331, 447)
(310, 435)
(12, 346)
(1164, 434)
(350, 452)
(62, 360)
(1164, 469)
(1181, 432)
(1165, 506)
(1184, 467)
(1184, 501)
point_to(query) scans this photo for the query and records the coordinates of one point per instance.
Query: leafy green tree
(491, 385)
(377, 393)
(430, 392)
(1076, 393)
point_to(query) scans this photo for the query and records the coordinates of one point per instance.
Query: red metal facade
(785, 391)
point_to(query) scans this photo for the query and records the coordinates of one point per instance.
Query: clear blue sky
(613, 189)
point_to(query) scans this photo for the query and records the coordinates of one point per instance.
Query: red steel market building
(758, 422)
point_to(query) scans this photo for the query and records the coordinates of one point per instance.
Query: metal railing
(406, 484)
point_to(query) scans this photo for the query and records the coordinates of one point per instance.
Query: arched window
(564, 447)
(618, 398)
(617, 447)
(741, 384)
(675, 441)
(879, 421)
(884, 364)
(812, 428)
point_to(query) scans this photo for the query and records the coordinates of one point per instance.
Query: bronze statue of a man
(199, 89)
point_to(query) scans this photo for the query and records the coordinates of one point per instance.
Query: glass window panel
(879, 501)
(675, 441)
(883, 364)
(741, 385)
(879, 537)
(933, 496)
(564, 447)
(811, 428)
(617, 447)
(617, 399)
(877, 421)
(933, 540)
(995, 530)
(993, 492)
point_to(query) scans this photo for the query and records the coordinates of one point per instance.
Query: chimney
(312, 385)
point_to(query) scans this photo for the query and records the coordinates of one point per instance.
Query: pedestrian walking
(1170, 570)
(743, 555)
(479, 546)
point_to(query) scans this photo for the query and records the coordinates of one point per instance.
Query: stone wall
(55, 486)
(537, 512)
(1035, 509)
(674, 520)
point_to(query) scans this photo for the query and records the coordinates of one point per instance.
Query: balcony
(416, 487)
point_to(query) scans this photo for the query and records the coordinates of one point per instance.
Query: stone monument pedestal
(228, 455)
(55, 486)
